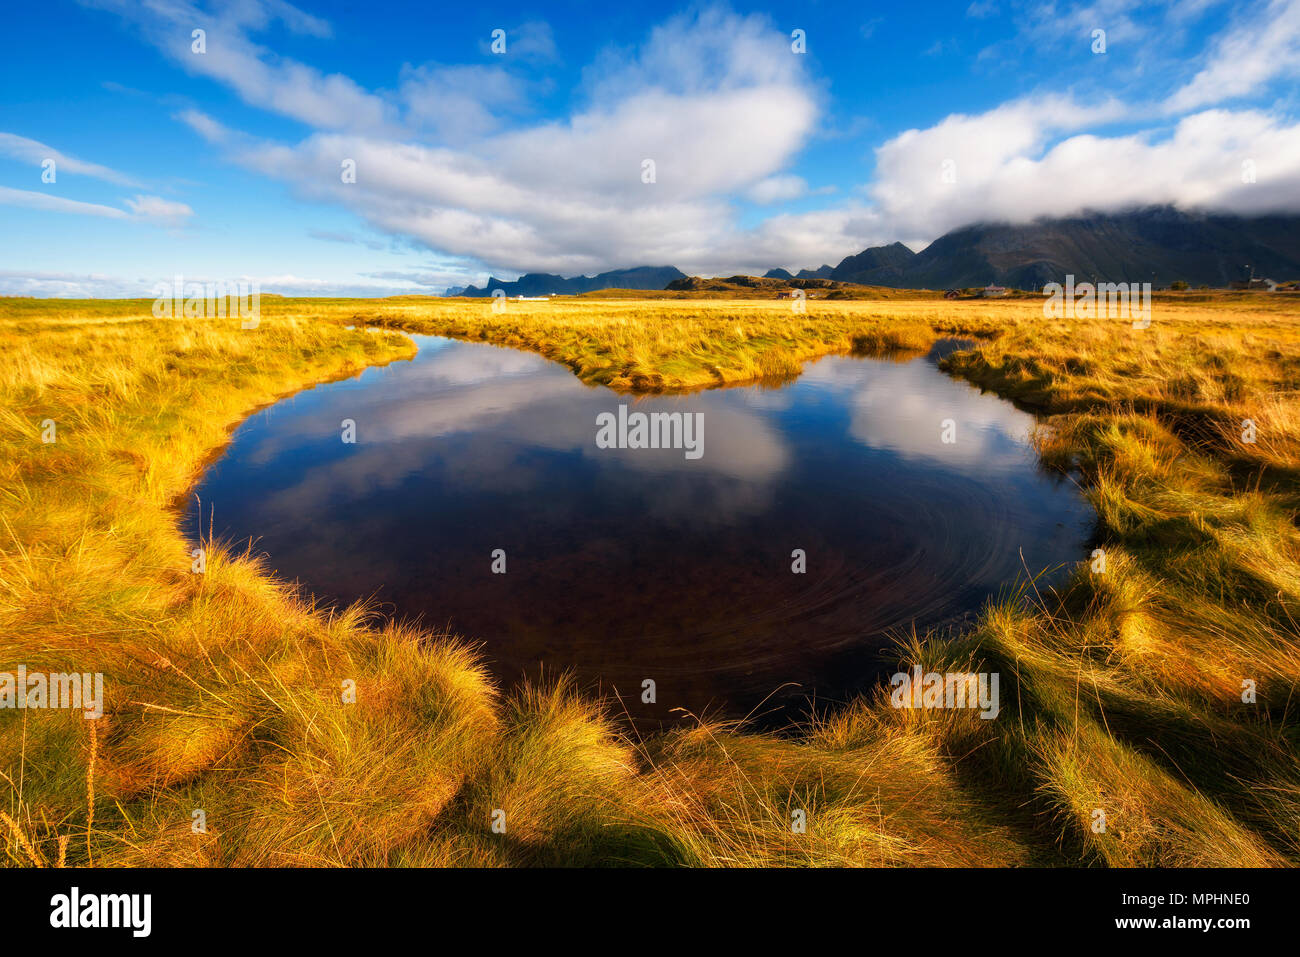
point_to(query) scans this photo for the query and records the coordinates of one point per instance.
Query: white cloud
(530, 41)
(1032, 158)
(1005, 166)
(31, 151)
(14, 282)
(1057, 23)
(20, 282)
(288, 87)
(723, 109)
(159, 210)
(458, 103)
(715, 101)
(56, 204)
(206, 126)
(776, 189)
(152, 209)
(1263, 47)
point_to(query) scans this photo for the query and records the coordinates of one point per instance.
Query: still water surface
(627, 564)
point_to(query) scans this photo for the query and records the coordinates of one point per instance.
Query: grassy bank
(1122, 693)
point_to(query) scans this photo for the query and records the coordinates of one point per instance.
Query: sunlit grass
(1121, 691)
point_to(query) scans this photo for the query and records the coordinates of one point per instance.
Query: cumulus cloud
(1005, 167)
(715, 103)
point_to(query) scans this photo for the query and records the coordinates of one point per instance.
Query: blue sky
(896, 122)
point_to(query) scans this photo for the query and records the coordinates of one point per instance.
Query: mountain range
(821, 272)
(1158, 244)
(542, 284)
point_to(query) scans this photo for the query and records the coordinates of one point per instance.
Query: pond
(489, 492)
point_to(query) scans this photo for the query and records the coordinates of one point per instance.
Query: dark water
(627, 564)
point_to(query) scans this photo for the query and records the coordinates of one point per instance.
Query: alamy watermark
(1106, 300)
(36, 689)
(651, 430)
(932, 689)
(74, 909)
(211, 300)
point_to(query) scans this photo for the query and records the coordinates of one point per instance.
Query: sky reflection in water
(633, 564)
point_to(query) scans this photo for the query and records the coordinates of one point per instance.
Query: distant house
(785, 294)
(1268, 284)
(951, 294)
(991, 292)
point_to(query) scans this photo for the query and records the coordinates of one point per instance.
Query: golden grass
(1122, 692)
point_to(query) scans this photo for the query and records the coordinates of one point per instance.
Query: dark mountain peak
(543, 284)
(874, 263)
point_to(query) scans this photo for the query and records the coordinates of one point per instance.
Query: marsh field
(1155, 688)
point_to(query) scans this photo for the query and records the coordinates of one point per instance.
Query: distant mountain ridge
(542, 284)
(1157, 244)
(821, 272)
